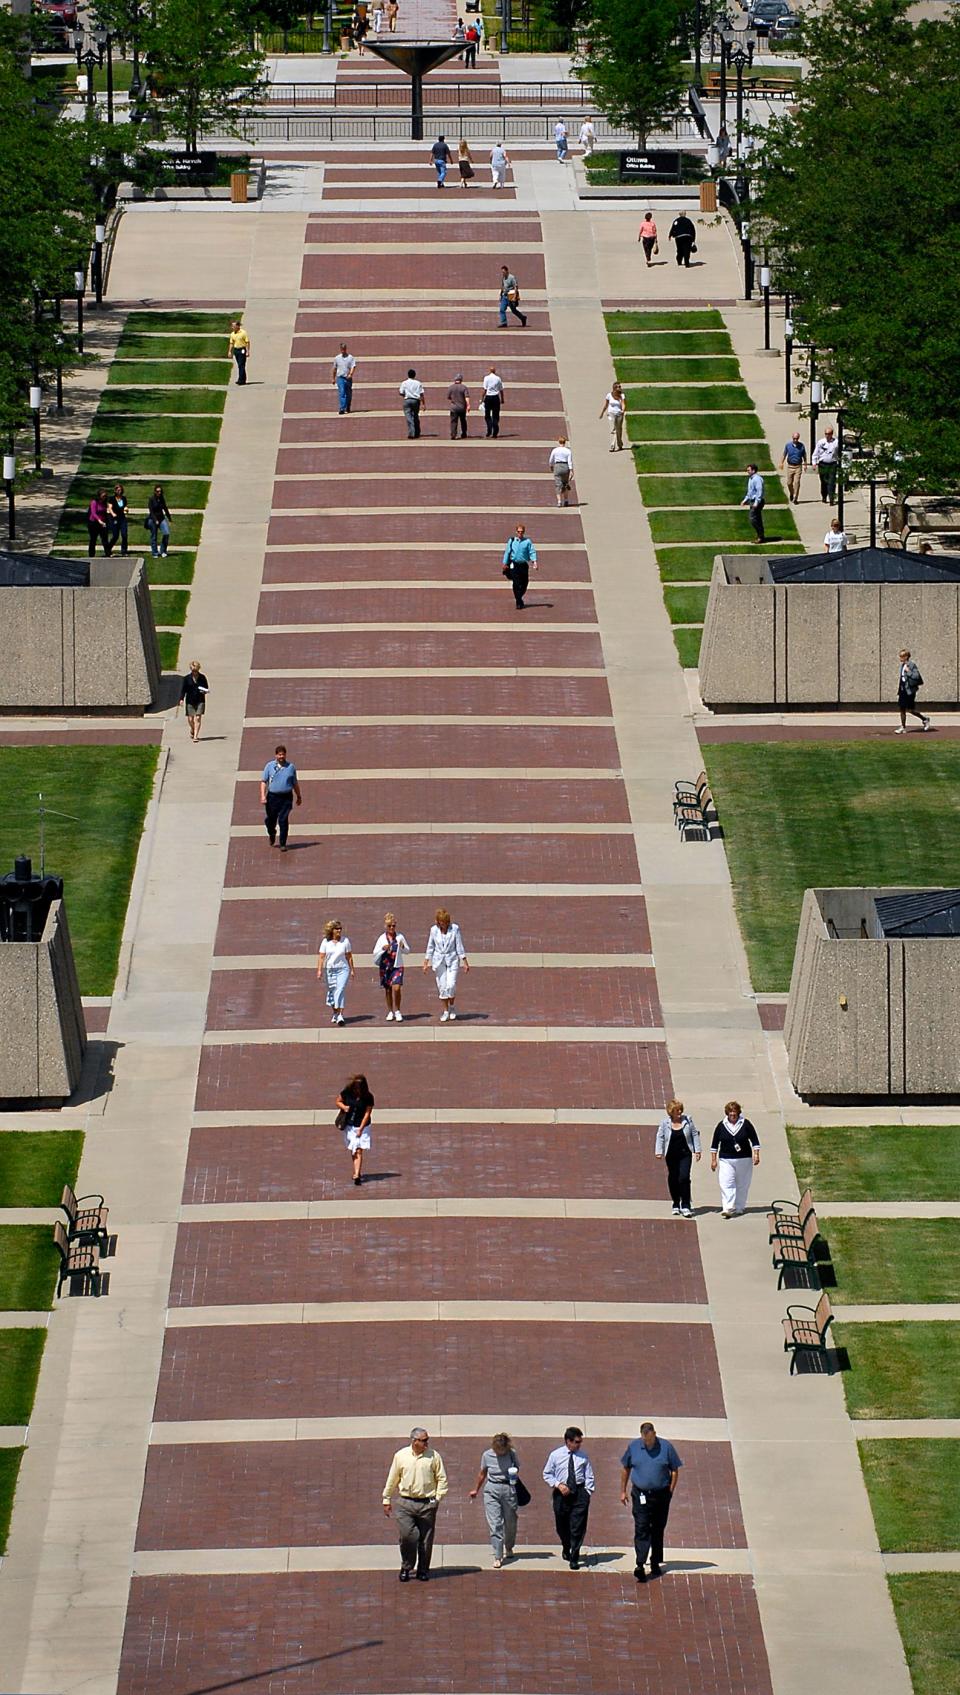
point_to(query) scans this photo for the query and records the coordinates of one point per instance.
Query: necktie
(571, 1473)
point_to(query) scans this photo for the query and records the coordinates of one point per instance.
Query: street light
(9, 473)
(738, 57)
(91, 60)
(747, 259)
(79, 284)
(765, 286)
(104, 41)
(816, 397)
(36, 401)
(99, 237)
(506, 8)
(788, 361)
(840, 465)
(697, 37)
(327, 25)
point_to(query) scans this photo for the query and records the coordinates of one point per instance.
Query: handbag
(656, 247)
(524, 1496)
(340, 1120)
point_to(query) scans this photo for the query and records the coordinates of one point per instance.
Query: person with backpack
(910, 681)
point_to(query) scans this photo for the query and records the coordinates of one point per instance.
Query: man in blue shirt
(519, 558)
(754, 499)
(278, 787)
(570, 1475)
(794, 457)
(651, 1466)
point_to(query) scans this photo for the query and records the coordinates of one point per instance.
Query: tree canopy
(203, 67)
(631, 57)
(859, 196)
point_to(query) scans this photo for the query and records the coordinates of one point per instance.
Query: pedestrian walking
(118, 513)
(344, 365)
(392, 10)
(651, 1468)
(510, 298)
(418, 1478)
(734, 1152)
(493, 398)
(359, 31)
(414, 402)
(561, 464)
(569, 1474)
(239, 347)
(98, 527)
(499, 1478)
(519, 559)
(460, 35)
(458, 400)
(615, 408)
(388, 953)
(754, 500)
(335, 964)
(835, 540)
(440, 154)
(355, 1104)
(377, 20)
(499, 160)
(158, 521)
(794, 458)
(684, 232)
(481, 29)
(472, 43)
(648, 237)
(465, 163)
(723, 145)
(908, 685)
(444, 955)
(560, 140)
(588, 137)
(194, 689)
(678, 1142)
(825, 458)
(279, 788)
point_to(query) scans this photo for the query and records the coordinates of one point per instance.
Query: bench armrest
(97, 1198)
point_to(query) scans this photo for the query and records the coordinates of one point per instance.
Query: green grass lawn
(174, 322)
(174, 373)
(20, 1354)
(174, 568)
(170, 605)
(35, 1164)
(800, 816)
(684, 565)
(688, 647)
(126, 460)
(106, 789)
(157, 403)
(72, 534)
(686, 606)
(878, 1163)
(710, 524)
(644, 344)
(908, 1370)
(689, 370)
(894, 1259)
(9, 1471)
(704, 491)
(140, 431)
(914, 1489)
(697, 427)
(927, 1605)
(184, 494)
(169, 645)
(708, 319)
(28, 1265)
(701, 456)
(730, 397)
(139, 344)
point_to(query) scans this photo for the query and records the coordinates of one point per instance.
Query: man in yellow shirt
(417, 1476)
(240, 348)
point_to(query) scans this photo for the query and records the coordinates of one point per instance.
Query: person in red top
(648, 236)
(472, 37)
(98, 528)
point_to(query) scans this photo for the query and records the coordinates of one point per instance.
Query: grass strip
(707, 490)
(927, 1605)
(878, 1162)
(687, 571)
(894, 1259)
(173, 373)
(169, 605)
(640, 344)
(701, 456)
(696, 426)
(35, 1164)
(686, 606)
(914, 1489)
(171, 322)
(135, 344)
(901, 1370)
(156, 403)
(173, 568)
(106, 789)
(805, 815)
(688, 647)
(169, 644)
(28, 1266)
(20, 1354)
(717, 398)
(698, 318)
(9, 1471)
(710, 524)
(141, 431)
(143, 460)
(692, 370)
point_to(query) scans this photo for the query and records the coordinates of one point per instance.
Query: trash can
(239, 182)
(708, 197)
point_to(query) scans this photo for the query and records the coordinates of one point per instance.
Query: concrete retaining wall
(81, 647)
(44, 1035)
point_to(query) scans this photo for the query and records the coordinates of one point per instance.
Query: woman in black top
(193, 695)
(158, 521)
(734, 1152)
(118, 512)
(356, 1110)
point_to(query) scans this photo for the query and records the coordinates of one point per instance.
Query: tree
(858, 197)
(202, 66)
(631, 59)
(565, 16)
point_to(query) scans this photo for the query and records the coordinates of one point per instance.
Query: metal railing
(469, 92)
(286, 126)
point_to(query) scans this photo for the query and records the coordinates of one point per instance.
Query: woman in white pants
(499, 160)
(734, 1152)
(445, 953)
(335, 962)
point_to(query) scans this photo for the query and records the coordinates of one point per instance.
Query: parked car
(65, 9)
(50, 34)
(765, 15)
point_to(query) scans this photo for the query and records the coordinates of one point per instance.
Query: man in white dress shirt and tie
(570, 1475)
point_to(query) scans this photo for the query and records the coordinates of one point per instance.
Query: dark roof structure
(932, 912)
(38, 571)
(864, 565)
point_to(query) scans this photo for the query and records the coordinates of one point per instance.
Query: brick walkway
(450, 750)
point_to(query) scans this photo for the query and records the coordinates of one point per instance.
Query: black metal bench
(79, 1263)
(694, 809)
(805, 1331)
(85, 1223)
(787, 1218)
(799, 1253)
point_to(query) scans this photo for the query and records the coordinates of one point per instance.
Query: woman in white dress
(445, 953)
(335, 962)
(388, 957)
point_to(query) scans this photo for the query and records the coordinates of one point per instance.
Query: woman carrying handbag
(503, 1493)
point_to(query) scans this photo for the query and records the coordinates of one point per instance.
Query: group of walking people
(734, 1153)
(441, 159)
(445, 955)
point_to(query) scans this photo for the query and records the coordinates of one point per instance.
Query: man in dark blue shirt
(651, 1466)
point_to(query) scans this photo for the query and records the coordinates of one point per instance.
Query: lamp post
(327, 25)
(36, 401)
(816, 397)
(747, 259)
(723, 83)
(788, 361)
(79, 283)
(840, 465)
(91, 60)
(59, 341)
(507, 13)
(104, 42)
(697, 37)
(765, 287)
(9, 473)
(99, 237)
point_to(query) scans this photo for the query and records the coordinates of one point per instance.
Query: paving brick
(278, 1495)
(341, 318)
(443, 230)
(421, 858)
(470, 455)
(428, 696)
(316, 494)
(357, 194)
(458, 800)
(435, 370)
(294, 1000)
(477, 350)
(381, 1370)
(510, 924)
(773, 1014)
(301, 424)
(380, 393)
(443, 649)
(424, 606)
(430, 273)
(344, 747)
(617, 1076)
(295, 1162)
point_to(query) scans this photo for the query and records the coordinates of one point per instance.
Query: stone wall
(90, 647)
(43, 1035)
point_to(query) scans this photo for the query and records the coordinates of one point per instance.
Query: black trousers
(520, 580)
(240, 355)
(684, 244)
(470, 52)
(458, 421)
(678, 1177)
(491, 411)
(756, 518)
(650, 1516)
(571, 1513)
(277, 815)
(828, 482)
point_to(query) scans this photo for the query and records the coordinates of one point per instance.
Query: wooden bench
(787, 1218)
(799, 1253)
(86, 1223)
(79, 1263)
(694, 809)
(805, 1330)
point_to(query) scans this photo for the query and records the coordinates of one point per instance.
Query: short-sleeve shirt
(835, 541)
(650, 1468)
(335, 954)
(411, 389)
(497, 1465)
(614, 405)
(357, 1107)
(344, 364)
(794, 452)
(280, 779)
(457, 396)
(492, 384)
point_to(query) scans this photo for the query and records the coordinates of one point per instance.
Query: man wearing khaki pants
(417, 1476)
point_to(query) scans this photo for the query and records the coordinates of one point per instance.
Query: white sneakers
(389, 1017)
(398, 1016)
(445, 1016)
(685, 1212)
(675, 1212)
